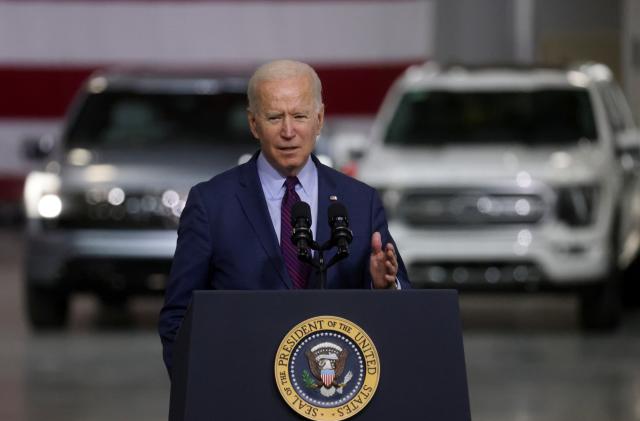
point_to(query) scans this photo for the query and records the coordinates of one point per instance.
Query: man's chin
(290, 154)
(292, 167)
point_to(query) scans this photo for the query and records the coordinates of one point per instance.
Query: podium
(227, 347)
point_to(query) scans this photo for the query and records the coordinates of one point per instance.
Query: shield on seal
(327, 376)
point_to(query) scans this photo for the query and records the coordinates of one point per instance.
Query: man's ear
(251, 117)
(320, 119)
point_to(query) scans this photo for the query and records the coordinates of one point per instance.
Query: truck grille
(448, 274)
(463, 207)
(137, 211)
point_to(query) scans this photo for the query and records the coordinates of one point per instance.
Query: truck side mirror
(628, 140)
(349, 147)
(38, 148)
(628, 148)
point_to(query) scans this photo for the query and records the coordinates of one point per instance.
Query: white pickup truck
(511, 178)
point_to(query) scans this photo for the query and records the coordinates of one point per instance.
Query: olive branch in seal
(308, 380)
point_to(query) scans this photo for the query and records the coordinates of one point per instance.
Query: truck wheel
(601, 306)
(631, 286)
(47, 308)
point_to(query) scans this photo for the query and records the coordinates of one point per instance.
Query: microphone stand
(319, 263)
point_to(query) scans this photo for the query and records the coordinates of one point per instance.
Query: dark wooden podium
(225, 351)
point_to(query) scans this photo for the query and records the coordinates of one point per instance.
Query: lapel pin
(333, 198)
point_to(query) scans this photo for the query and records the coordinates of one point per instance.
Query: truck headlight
(49, 206)
(41, 197)
(575, 205)
(390, 199)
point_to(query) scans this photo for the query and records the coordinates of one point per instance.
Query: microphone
(341, 235)
(301, 234)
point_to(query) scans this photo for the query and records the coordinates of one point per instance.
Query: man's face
(286, 122)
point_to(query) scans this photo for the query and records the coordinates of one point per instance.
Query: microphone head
(300, 210)
(341, 235)
(337, 210)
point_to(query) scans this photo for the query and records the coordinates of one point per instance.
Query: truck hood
(453, 166)
(148, 170)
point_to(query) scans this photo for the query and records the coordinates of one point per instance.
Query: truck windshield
(549, 116)
(130, 119)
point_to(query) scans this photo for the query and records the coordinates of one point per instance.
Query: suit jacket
(226, 240)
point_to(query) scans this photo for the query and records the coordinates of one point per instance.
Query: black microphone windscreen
(337, 210)
(301, 210)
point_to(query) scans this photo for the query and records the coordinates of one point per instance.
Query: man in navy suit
(232, 234)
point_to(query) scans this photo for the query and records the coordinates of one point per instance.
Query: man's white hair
(279, 70)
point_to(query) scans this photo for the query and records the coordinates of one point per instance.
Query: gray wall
(631, 54)
(578, 30)
(474, 31)
(552, 31)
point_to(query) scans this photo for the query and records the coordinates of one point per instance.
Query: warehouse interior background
(527, 358)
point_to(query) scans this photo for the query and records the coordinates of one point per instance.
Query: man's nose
(287, 131)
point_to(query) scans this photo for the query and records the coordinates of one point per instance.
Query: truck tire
(46, 308)
(601, 306)
(630, 289)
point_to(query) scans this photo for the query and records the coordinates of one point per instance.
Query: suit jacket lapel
(255, 208)
(326, 188)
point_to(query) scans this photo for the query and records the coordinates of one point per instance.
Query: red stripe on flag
(357, 89)
(11, 188)
(38, 92)
(46, 92)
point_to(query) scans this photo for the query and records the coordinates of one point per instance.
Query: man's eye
(273, 118)
(301, 117)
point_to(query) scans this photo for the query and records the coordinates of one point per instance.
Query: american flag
(47, 48)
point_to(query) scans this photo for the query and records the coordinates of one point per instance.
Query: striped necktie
(298, 270)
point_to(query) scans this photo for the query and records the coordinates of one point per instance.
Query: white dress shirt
(273, 187)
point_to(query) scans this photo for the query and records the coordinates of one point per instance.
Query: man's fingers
(390, 250)
(376, 243)
(391, 268)
(391, 255)
(384, 262)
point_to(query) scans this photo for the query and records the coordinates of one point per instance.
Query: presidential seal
(327, 368)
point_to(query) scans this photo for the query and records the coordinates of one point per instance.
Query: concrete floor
(526, 360)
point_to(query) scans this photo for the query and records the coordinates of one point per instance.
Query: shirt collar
(273, 182)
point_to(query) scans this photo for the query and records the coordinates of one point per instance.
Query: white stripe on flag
(216, 32)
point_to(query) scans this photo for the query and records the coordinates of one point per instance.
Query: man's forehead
(293, 85)
(271, 93)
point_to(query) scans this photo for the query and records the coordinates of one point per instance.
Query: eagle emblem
(327, 362)
(327, 368)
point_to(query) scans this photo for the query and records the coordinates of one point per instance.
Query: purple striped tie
(298, 270)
